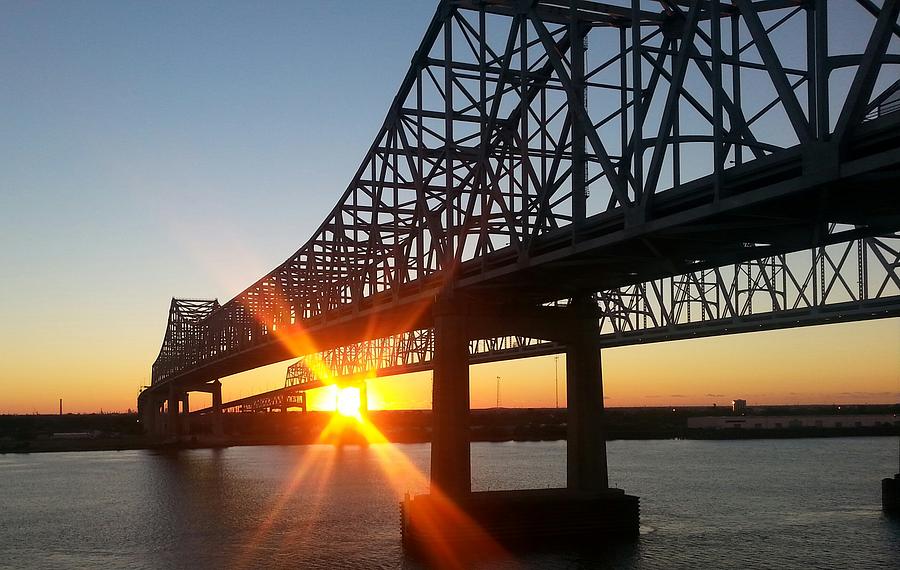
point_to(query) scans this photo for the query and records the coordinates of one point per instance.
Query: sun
(348, 402)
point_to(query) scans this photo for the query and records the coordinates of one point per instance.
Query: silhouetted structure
(789, 422)
(890, 491)
(670, 168)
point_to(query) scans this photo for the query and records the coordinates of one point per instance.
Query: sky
(160, 149)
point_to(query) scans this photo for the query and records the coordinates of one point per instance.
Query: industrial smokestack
(60, 406)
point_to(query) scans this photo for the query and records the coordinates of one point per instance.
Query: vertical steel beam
(670, 108)
(864, 81)
(638, 97)
(718, 122)
(736, 81)
(579, 178)
(575, 102)
(776, 71)
(449, 148)
(811, 72)
(623, 96)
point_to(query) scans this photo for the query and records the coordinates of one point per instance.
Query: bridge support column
(185, 414)
(586, 460)
(154, 417)
(173, 419)
(161, 425)
(450, 455)
(363, 398)
(217, 428)
(149, 407)
(586, 511)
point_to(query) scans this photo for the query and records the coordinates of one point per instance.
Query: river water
(799, 503)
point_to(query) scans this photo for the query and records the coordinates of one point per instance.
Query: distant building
(739, 407)
(785, 422)
(73, 435)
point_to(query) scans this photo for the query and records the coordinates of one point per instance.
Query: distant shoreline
(121, 432)
(119, 445)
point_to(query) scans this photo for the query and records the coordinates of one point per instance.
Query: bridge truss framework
(670, 154)
(846, 282)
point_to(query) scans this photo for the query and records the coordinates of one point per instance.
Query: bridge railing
(886, 104)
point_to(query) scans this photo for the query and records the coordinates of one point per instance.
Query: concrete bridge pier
(217, 427)
(363, 398)
(585, 510)
(185, 414)
(451, 472)
(586, 468)
(150, 409)
(173, 420)
(214, 389)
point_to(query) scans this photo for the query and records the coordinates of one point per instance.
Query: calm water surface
(810, 503)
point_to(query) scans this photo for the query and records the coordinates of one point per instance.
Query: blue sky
(136, 128)
(159, 149)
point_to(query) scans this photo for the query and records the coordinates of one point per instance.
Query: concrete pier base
(890, 494)
(450, 455)
(517, 519)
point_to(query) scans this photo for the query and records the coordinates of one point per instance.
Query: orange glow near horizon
(347, 423)
(847, 363)
(839, 363)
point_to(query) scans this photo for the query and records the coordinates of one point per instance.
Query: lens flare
(399, 470)
(403, 475)
(349, 402)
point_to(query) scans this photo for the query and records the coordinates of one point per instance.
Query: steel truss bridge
(851, 281)
(567, 175)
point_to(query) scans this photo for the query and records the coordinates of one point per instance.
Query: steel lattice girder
(541, 149)
(281, 399)
(850, 281)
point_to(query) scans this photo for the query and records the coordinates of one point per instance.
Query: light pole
(498, 392)
(556, 366)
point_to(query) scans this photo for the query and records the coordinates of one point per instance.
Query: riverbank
(102, 432)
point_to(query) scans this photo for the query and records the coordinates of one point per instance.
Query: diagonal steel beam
(670, 109)
(776, 71)
(579, 112)
(867, 73)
